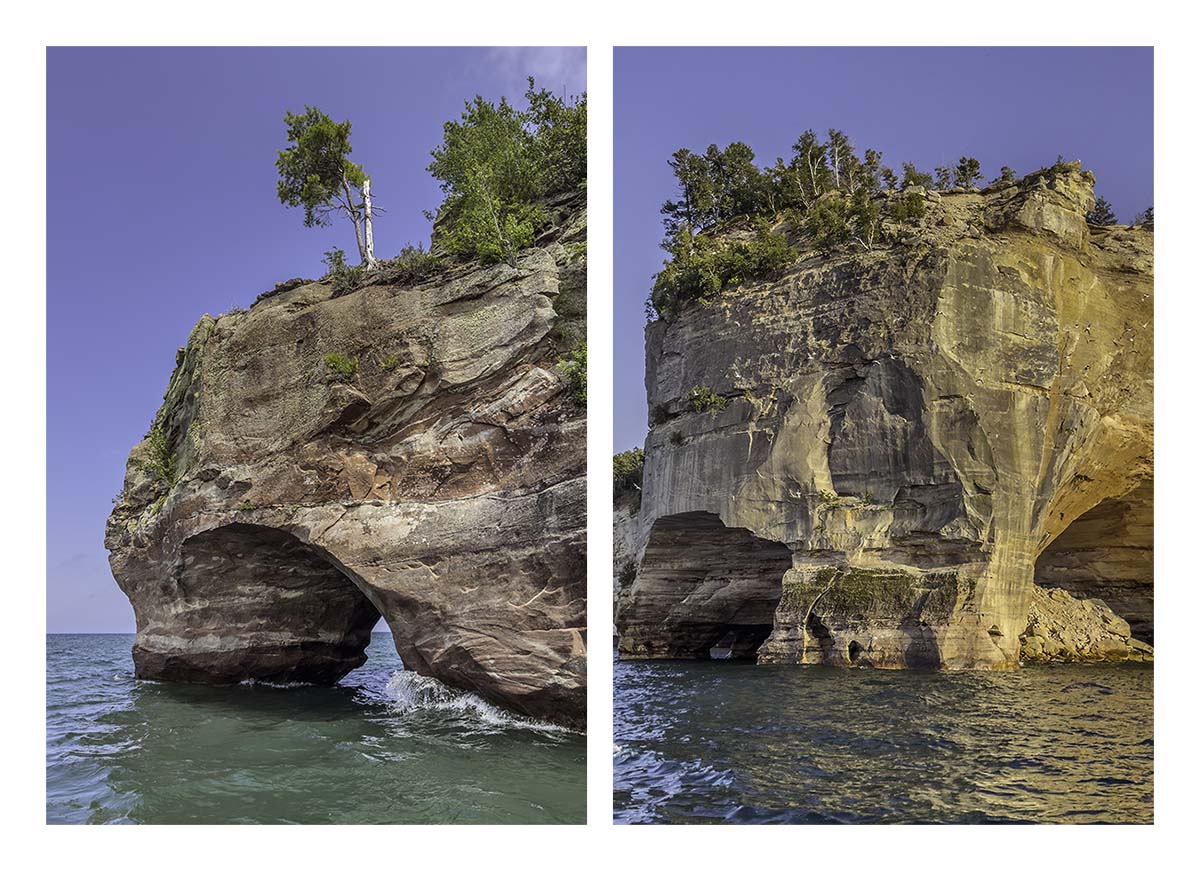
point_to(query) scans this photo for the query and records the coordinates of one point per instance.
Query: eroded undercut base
(1108, 554)
(257, 603)
(703, 590)
(853, 616)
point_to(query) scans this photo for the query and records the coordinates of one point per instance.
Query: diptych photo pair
(882, 417)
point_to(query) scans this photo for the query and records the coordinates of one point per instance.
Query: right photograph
(884, 497)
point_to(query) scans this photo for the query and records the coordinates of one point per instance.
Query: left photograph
(317, 389)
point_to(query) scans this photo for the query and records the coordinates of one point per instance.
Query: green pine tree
(967, 173)
(316, 174)
(1101, 214)
(913, 177)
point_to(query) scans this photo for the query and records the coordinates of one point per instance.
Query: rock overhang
(444, 481)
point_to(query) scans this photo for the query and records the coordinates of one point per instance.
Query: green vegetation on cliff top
(731, 221)
(498, 165)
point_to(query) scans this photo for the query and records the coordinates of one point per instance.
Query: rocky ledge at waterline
(410, 451)
(936, 453)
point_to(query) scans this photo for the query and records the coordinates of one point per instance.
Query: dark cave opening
(1108, 553)
(740, 641)
(268, 606)
(703, 591)
(854, 651)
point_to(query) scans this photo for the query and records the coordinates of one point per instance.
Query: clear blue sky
(1014, 106)
(162, 206)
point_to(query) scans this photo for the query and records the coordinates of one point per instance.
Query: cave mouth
(1108, 553)
(258, 603)
(703, 591)
(854, 651)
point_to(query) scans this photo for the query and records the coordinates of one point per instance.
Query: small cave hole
(854, 651)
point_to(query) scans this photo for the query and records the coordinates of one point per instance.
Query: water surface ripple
(735, 742)
(383, 746)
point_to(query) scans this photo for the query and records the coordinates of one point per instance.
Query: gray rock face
(625, 528)
(907, 433)
(442, 486)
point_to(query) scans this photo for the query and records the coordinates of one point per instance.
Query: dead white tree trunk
(352, 211)
(369, 240)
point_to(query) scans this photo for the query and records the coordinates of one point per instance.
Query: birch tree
(316, 174)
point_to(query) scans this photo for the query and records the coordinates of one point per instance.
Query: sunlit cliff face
(909, 436)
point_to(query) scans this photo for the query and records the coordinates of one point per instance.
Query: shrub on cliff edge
(345, 279)
(412, 265)
(701, 267)
(573, 367)
(339, 367)
(627, 471)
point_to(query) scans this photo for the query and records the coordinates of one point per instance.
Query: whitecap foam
(412, 693)
(274, 684)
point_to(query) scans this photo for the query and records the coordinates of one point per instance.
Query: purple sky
(1014, 106)
(162, 206)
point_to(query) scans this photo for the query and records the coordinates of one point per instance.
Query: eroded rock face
(1108, 554)
(442, 486)
(913, 429)
(625, 544)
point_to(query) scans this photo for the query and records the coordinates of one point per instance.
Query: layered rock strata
(409, 452)
(903, 441)
(625, 528)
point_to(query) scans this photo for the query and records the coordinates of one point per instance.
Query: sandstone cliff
(404, 451)
(625, 547)
(903, 442)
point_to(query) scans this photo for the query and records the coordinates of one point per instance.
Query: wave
(411, 693)
(274, 684)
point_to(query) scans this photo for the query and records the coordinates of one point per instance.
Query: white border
(600, 26)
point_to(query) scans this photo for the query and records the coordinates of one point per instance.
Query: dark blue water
(384, 746)
(726, 742)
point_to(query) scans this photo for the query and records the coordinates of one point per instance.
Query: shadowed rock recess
(282, 503)
(937, 453)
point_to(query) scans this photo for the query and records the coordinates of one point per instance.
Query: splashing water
(413, 694)
(382, 746)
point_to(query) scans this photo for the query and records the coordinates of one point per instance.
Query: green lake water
(383, 746)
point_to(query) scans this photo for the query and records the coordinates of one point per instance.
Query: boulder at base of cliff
(1065, 629)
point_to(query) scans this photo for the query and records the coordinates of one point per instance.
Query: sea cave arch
(703, 590)
(256, 602)
(1108, 553)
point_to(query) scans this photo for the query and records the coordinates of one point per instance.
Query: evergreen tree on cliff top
(497, 162)
(697, 204)
(1101, 214)
(315, 173)
(713, 187)
(967, 173)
